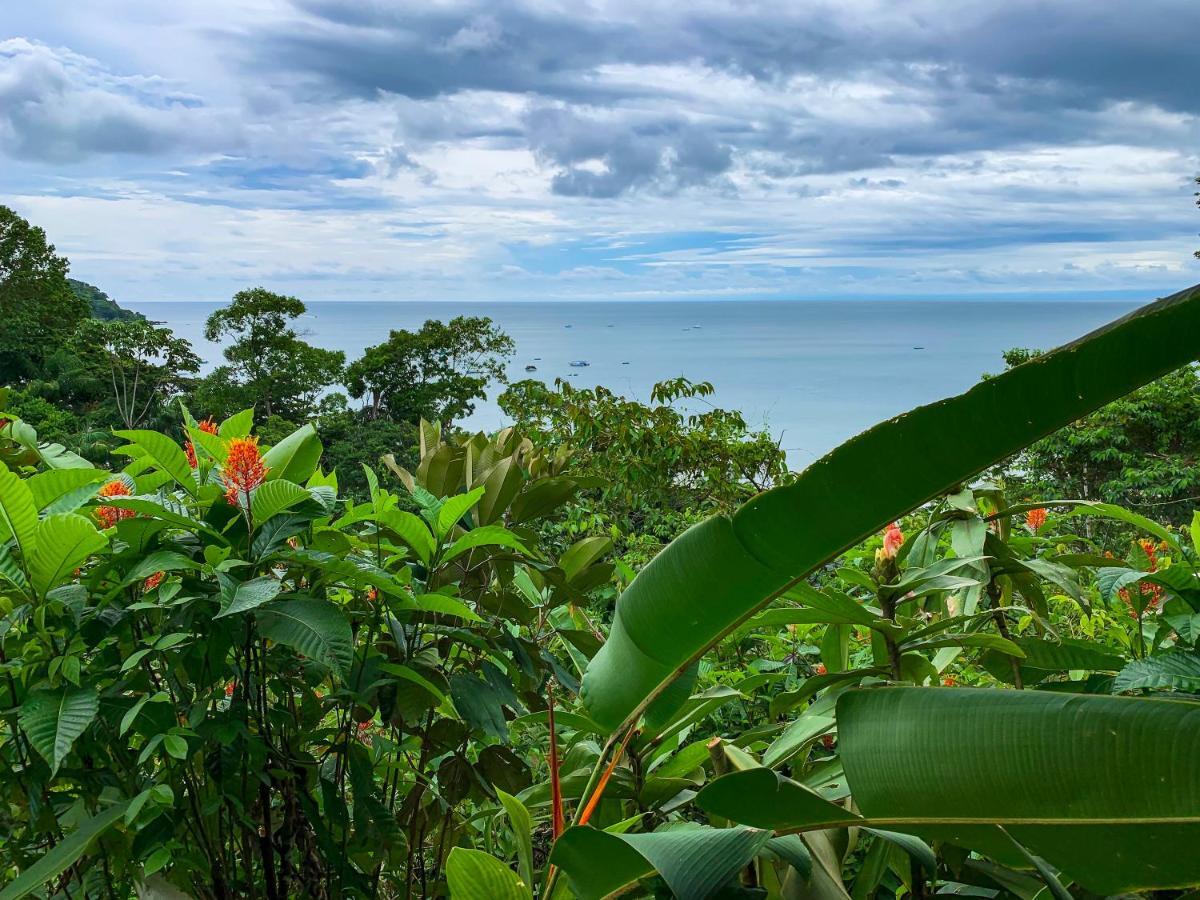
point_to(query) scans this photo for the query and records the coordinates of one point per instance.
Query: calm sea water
(812, 372)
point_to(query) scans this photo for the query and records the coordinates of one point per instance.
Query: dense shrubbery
(237, 663)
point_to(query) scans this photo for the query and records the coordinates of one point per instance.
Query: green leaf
(475, 875)
(693, 861)
(54, 719)
(18, 513)
(314, 628)
(411, 530)
(454, 508)
(273, 497)
(522, 826)
(800, 732)
(1177, 670)
(238, 425)
(52, 484)
(63, 855)
(485, 536)
(248, 595)
(165, 454)
(445, 606)
(295, 457)
(479, 705)
(1104, 788)
(721, 571)
(63, 543)
(766, 799)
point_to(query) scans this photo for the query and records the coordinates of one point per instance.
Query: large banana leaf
(1104, 788)
(723, 570)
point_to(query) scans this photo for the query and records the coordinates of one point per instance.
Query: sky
(635, 149)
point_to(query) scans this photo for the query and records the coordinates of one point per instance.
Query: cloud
(63, 107)
(547, 148)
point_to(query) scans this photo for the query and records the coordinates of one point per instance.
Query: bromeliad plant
(219, 675)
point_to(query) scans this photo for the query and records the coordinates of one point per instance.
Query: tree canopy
(435, 373)
(38, 308)
(273, 367)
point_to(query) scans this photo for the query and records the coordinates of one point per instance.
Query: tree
(145, 365)
(1142, 450)
(101, 305)
(435, 374)
(661, 467)
(37, 306)
(281, 373)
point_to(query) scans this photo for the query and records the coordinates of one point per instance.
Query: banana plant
(720, 573)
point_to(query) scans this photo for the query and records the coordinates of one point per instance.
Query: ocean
(813, 373)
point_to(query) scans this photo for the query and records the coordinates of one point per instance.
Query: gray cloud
(59, 106)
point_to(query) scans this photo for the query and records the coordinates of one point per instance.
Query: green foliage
(38, 308)
(102, 306)
(435, 373)
(1142, 450)
(270, 366)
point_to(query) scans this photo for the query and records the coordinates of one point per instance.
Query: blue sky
(566, 149)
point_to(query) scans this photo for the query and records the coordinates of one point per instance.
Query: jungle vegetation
(257, 641)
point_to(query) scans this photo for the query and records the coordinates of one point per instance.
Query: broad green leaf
(800, 732)
(248, 595)
(52, 484)
(522, 826)
(454, 508)
(475, 875)
(63, 543)
(313, 628)
(209, 445)
(583, 553)
(1177, 670)
(54, 719)
(723, 570)
(18, 512)
(273, 497)
(411, 530)
(238, 425)
(1104, 788)
(765, 799)
(445, 606)
(694, 861)
(63, 855)
(166, 455)
(295, 457)
(485, 536)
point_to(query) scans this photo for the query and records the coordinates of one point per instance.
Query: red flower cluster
(153, 581)
(208, 426)
(820, 669)
(229, 688)
(1151, 593)
(109, 516)
(372, 594)
(1035, 519)
(244, 470)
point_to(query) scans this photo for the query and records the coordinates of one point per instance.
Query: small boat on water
(580, 363)
(566, 326)
(531, 368)
(625, 363)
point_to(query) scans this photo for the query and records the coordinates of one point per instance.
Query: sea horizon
(812, 373)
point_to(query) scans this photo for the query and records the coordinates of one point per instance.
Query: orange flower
(372, 594)
(893, 538)
(949, 681)
(111, 515)
(229, 688)
(208, 426)
(820, 669)
(244, 471)
(153, 581)
(1035, 519)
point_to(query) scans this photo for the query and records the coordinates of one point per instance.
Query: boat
(531, 368)
(580, 363)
